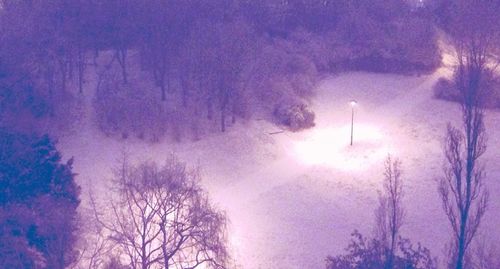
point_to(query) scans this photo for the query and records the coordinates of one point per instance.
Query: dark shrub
(444, 89)
(383, 36)
(295, 116)
(366, 253)
(284, 75)
(129, 109)
(38, 203)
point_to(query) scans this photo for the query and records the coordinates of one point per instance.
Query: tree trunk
(81, 69)
(124, 71)
(390, 262)
(159, 75)
(144, 252)
(63, 77)
(96, 55)
(164, 244)
(390, 258)
(233, 116)
(50, 81)
(223, 106)
(163, 91)
(461, 242)
(121, 54)
(223, 120)
(185, 86)
(184, 93)
(209, 109)
(167, 78)
(70, 66)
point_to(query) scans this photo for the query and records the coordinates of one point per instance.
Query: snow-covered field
(294, 198)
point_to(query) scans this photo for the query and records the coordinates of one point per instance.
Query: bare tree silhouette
(390, 214)
(462, 188)
(163, 218)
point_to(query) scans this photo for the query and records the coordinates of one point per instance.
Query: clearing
(294, 198)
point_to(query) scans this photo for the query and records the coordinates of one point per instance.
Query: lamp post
(353, 103)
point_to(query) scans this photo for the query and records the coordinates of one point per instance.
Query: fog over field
(250, 134)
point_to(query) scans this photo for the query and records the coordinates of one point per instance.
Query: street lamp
(353, 104)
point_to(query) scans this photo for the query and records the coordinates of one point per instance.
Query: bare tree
(162, 218)
(121, 18)
(234, 53)
(166, 27)
(200, 67)
(388, 249)
(462, 188)
(81, 63)
(390, 214)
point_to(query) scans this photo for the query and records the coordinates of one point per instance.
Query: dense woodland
(183, 69)
(191, 67)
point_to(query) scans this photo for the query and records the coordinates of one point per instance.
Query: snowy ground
(294, 198)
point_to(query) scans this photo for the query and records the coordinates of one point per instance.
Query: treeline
(191, 67)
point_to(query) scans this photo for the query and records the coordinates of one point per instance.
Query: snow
(327, 146)
(294, 198)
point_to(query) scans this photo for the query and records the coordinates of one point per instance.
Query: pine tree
(38, 202)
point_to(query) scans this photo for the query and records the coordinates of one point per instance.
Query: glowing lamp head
(353, 103)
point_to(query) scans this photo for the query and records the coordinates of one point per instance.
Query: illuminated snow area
(331, 147)
(294, 198)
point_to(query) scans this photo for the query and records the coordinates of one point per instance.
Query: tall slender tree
(390, 213)
(462, 188)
